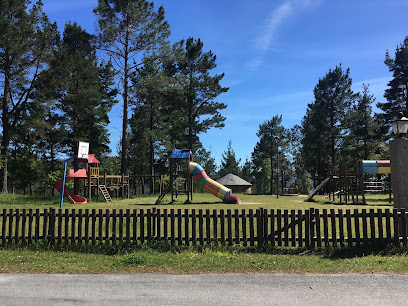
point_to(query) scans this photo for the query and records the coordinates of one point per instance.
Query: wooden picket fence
(282, 228)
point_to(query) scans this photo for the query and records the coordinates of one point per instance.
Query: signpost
(83, 150)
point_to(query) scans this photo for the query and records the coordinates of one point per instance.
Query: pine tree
(229, 162)
(149, 89)
(324, 126)
(271, 135)
(81, 91)
(397, 93)
(246, 171)
(199, 111)
(364, 132)
(302, 177)
(127, 30)
(26, 40)
(205, 159)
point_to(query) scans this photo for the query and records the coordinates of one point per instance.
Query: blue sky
(272, 52)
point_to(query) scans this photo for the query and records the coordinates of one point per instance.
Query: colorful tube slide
(73, 198)
(373, 167)
(211, 186)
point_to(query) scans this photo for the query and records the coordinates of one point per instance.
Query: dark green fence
(283, 228)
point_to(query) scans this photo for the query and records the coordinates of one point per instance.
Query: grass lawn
(201, 201)
(198, 260)
(190, 261)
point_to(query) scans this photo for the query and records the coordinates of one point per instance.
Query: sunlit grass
(192, 261)
(200, 201)
(203, 260)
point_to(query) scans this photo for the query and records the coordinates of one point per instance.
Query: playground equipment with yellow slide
(183, 168)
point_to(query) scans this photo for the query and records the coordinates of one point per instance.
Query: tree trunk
(151, 150)
(6, 132)
(190, 101)
(142, 179)
(52, 155)
(123, 166)
(271, 180)
(76, 166)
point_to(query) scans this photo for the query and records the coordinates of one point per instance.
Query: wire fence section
(281, 228)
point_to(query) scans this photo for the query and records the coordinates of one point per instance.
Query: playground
(202, 200)
(344, 184)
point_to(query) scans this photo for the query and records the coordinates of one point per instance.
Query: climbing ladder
(105, 193)
(321, 185)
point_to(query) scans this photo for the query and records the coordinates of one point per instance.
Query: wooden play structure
(148, 183)
(180, 179)
(94, 183)
(182, 172)
(292, 191)
(346, 181)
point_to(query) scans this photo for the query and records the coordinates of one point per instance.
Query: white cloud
(254, 63)
(273, 22)
(376, 86)
(276, 19)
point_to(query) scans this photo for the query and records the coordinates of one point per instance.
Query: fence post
(312, 227)
(45, 225)
(259, 226)
(3, 228)
(51, 225)
(403, 226)
(307, 228)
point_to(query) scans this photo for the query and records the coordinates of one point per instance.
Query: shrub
(136, 258)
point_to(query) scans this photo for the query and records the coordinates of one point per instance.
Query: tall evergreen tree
(334, 96)
(397, 93)
(207, 161)
(324, 125)
(229, 162)
(199, 89)
(81, 90)
(138, 146)
(246, 171)
(149, 87)
(26, 40)
(127, 30)
(364, 132)
(271, 135)
(302, 177)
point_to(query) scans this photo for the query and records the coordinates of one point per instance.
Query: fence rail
(284, 228)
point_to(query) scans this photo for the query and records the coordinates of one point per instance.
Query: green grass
(204, 261)
(201, 201)
(207, 260)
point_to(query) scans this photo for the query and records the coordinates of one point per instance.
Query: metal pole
(277, 175)
(63, 180)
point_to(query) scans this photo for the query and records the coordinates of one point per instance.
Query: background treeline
(57, 87)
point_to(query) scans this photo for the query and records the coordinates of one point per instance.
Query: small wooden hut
(235, 183)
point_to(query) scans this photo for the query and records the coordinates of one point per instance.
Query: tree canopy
(128, 30)
(397, 92)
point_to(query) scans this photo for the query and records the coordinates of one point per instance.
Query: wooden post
(153, 181)
(171, 179)
(188, 181)
(97, 186)
(89, 183)
(123, 185)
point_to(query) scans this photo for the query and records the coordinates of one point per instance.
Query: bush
(136, 258)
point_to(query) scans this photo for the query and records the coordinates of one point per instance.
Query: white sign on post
(83, 150)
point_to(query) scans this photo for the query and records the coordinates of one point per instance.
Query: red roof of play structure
(91, 159)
